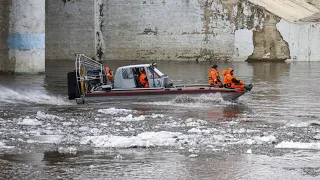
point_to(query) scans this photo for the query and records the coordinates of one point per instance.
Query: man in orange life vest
(143, 79)
(109, 74)
(213, 76)
(230, 81)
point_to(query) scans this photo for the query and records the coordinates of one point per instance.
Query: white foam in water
(298, 145)
(130, 118)
(146, 139)
(193, 101)
(11, 96)
(27, 121)
(114, 111)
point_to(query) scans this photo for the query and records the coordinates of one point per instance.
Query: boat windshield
(157, 72)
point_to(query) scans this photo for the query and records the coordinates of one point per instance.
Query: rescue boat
(91, 79)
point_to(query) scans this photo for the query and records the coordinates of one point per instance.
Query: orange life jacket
(231, 81)
(143, 80)
(109, 74)
(213, 76)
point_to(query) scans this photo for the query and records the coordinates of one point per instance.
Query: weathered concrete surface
(26, 40)
(194, 30)
(4, 32)
(22, 36)
(174, 30)
(303, 40)
(268, 42)
(70, 28)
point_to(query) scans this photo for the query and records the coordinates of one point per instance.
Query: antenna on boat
(153, 64)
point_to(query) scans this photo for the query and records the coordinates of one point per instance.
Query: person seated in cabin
(143, 79)
(109, 74)
(213, 77)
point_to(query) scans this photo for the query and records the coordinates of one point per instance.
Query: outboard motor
(248, 87)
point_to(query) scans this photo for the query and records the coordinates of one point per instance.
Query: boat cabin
(127, 77)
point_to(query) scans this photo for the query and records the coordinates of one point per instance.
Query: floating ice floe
(44, 116)
(304, 124)
(50, 139)
(197, 130)
(297, 145)
(114, 111)
(67, 150)
(260, 140)
(130, 118)
(146, 139)
(317, 137)
(157, 115)
(29, 122)
(4, 146)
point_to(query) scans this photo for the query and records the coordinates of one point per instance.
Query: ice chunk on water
(130, 118)
(114, 111)
(67, 150)
(4, 146)
(146, 139)
(50, 139)
(298, 145)
(30, 122)
(44, 116)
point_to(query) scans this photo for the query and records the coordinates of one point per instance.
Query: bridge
(32, 31)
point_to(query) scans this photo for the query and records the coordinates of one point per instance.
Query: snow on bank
(297, 145)
(146, 139)
(114, 111)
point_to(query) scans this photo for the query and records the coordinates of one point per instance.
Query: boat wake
(10, 96)
(204, 98)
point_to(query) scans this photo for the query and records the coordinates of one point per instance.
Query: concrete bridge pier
(25, 38)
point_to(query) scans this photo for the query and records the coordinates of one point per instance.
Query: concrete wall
(22, 36)
(26, 41)
(303, 40)
(70, 28)
(4, 33)
(195, 30)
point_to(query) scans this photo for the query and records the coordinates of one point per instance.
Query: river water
(271, 132)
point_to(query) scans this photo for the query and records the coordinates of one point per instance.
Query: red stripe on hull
(163, 92)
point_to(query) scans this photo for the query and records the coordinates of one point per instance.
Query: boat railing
(88, 70)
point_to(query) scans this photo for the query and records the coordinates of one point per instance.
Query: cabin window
(127, 74)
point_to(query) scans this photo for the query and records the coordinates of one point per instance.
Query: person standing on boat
(143, 79)
(213, 77)
(230, 81)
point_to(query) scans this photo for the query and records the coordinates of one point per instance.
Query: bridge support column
(26, 39)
